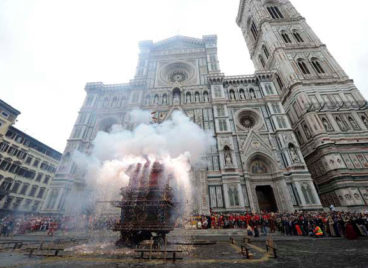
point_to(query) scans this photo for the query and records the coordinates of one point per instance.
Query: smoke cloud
(177, 143)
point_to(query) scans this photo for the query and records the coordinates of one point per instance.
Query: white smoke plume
(178, 143)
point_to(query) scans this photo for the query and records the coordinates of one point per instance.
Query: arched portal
(266, 198)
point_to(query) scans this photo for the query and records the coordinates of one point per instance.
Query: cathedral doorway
(266, 198)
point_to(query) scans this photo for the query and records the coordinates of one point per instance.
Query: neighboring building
(328, 114)
(27, 167)
(260, 159)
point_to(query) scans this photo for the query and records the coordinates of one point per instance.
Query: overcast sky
(49, 49)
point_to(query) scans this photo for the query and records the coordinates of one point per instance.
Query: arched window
(269, 90)
(196, 97)
(298, 37)
(107, 124)
(281, 122)
(279, 82)
(341, 123)
(261, 60)
(253, 29)
(305, 194)
(232, 94)
(365, 120)
(114, 102)
(353, 123)
(299, 137)
(275, 12)
(205, 96)
(265, 51)
(311, 195)
(326, 124)
(164, 99)
(227, 156)
(123, 100)
(155, 100)
(307, 132)
(303, 66)
(188, 97)
(317, 66)
(286, 37)
(148, 100)
(233, 195)
(176, 96)
(252, 93)
(106, 102)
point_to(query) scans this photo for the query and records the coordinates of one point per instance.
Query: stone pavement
(99, 251)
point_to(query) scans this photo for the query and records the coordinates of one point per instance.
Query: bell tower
(328, 114)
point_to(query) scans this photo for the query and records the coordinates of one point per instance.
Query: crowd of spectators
(299, 223)
(17, 225)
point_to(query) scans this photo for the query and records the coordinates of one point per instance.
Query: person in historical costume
(331, 227)
(298, 229)
(350, 233)
(272, 223)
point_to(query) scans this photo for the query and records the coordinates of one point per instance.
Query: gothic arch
(156, 99)
(147, 100)
(106, 124)
(242, 94)
(164, 98)
(205, 96)
(266, 165)
(115, 102)
(105, 102)
(176, 95)
(197, 97)
(232, 94)
(188, 97)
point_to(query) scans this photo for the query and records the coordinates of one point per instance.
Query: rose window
(247, 121)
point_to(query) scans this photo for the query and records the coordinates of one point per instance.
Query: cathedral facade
(286, 136)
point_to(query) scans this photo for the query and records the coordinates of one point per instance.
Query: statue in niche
(307, 132)
(188, 98)
(242, 95)
(340, 123)
(164, 99)
(232, 95)
(196, 97)
(205, 96)
(252, 94)
(294, 154)
(353, 123)
(326, 124)
(176, 97)
(365, 121)
(228, 158)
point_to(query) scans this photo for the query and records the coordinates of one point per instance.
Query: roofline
(10, 108)
(178, 37)
(149, 44)
(37, 141)
(240, 12)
